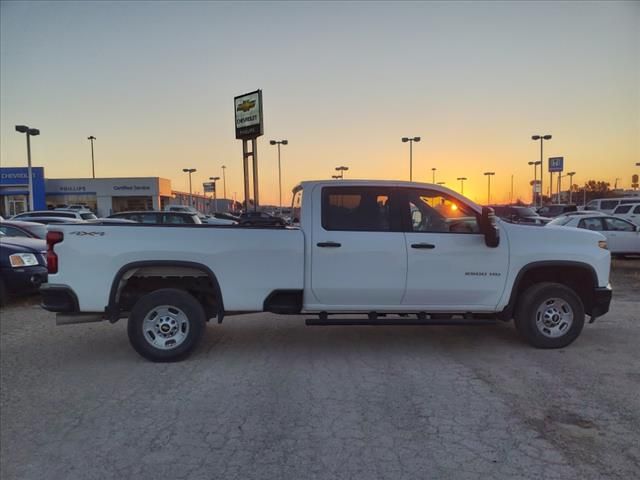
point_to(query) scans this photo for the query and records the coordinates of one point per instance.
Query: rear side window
(637, 209)
(590, 224)
(623, 209)
(617, 225)
(172, 218)
(365, 209)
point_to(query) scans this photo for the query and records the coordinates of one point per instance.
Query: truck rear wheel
(166, 325)
(549, 315)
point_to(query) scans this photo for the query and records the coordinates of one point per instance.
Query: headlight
(602, 244)
(23, 260)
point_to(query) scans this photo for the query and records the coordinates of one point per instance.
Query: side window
(623, 208)
(364, 209)
(608, 204)
(434, 212)
(148, 218)
(173, 219)
(592, 205)
(637, 209)
(590, 224)
(617, 225)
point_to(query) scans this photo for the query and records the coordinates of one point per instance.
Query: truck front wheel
(549, 315)
(166, 325)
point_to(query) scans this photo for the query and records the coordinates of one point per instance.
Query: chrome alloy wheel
(165, 327)
(554, 317)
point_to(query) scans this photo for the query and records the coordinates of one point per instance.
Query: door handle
(428, 246)
(329, 244)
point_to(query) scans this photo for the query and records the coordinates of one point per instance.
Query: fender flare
(507, 311)
(112, 310)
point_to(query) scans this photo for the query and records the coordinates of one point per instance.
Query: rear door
(358, 253)
(622, 236)
(449, 266)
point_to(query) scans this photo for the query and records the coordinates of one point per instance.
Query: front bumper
(59, 299)
(24, 279)
(601, 302)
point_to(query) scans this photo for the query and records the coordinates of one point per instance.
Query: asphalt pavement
(265, 397)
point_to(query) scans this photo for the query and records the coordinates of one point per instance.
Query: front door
(449, 266)
(358, 253)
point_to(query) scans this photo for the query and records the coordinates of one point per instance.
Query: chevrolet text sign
(248, 111)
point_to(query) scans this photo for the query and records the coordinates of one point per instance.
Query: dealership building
(102, 195)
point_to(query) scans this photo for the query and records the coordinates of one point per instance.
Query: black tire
(4, 295)
(183, 305)
(526, 315)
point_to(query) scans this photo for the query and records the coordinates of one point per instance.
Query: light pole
(535, 181)
(30, 132)
(279, 142)
(342, 169)
(489, 175)
(433, 175)
(215, 193)
(224, 181)
(462, 179)
(93, 164)
(570, 175)
(442, 183)
(542, 138)
(410, 140)
(190, 171)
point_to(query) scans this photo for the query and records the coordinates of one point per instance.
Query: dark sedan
(519, 214)
(261, 219)
(23, 265)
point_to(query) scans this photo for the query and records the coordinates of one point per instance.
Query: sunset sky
(343, 82)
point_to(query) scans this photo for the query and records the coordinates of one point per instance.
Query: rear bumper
(59, 298)
(601, 302)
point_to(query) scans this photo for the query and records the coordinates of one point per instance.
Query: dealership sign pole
(249, 126)
(556, 164)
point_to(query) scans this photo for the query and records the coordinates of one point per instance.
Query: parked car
(23, 265)
(580, 212)
(556, 209)
(629, 212)
(262, 219)
(80, 215)
(75, 208)
(159, 217)
(518, 214)
(623, 237)
(359, 249)
(17, 228)
(54, 220)
(213, 220)
(607, 205)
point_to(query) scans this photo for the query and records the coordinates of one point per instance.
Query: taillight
(52, 258)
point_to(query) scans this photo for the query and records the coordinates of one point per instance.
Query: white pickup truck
(394, 252)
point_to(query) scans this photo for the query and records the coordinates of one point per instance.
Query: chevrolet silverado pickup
(393, 252)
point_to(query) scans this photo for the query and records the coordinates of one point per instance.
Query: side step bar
(315, 322)
(69, 319)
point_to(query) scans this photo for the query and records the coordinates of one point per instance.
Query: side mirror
(489, 227)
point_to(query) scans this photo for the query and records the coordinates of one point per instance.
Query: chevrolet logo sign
(246, 105)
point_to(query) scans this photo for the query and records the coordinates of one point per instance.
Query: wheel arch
(580, 276)
(113, 309)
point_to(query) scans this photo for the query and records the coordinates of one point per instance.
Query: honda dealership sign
(248, 111)
(556, 164)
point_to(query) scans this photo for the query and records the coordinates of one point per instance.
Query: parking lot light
(30, 132)
(462, 179)
(542, 138)
(342, 169)
(489, 175)
(190, 171)
(410, 140)
(278, 143)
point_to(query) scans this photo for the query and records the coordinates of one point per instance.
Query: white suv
(79, 215)
(629, 212)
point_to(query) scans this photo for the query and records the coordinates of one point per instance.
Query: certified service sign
(248, 109)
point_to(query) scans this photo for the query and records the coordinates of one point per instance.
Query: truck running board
(393, 322)
(69, 319)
